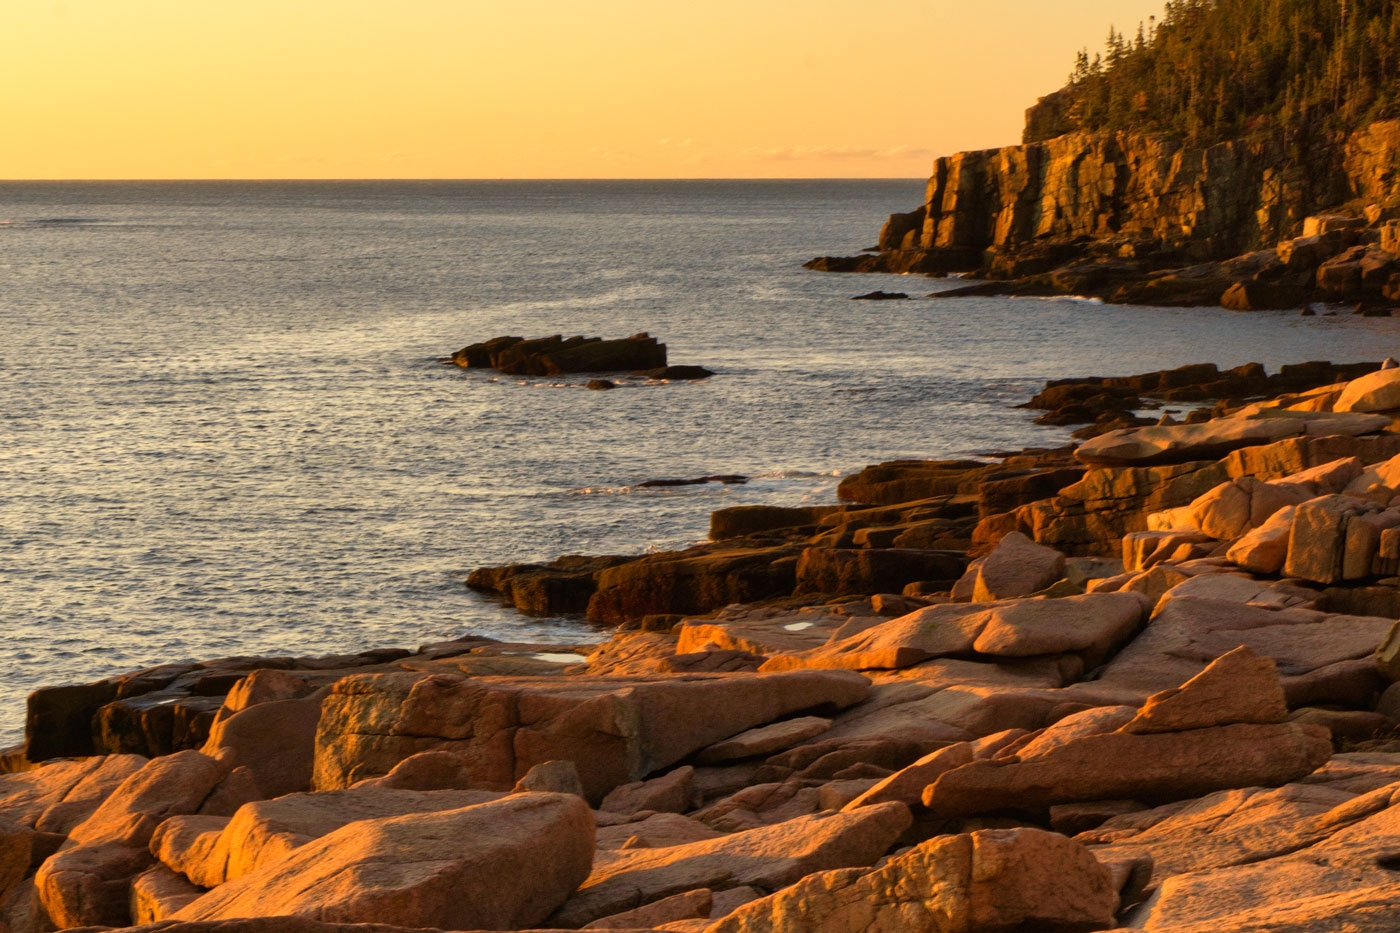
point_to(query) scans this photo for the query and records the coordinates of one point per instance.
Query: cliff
(1134, 205)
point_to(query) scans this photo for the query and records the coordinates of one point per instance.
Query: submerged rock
(880, 296)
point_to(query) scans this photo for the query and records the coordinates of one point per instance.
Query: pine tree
(1210, 70)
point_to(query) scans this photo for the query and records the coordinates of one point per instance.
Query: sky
(110, 89)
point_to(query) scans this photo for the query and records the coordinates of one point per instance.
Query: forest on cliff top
(1212, 70)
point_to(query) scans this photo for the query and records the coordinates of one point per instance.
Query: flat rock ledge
(1092, 689)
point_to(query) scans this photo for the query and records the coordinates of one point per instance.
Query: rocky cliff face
(1028, 208)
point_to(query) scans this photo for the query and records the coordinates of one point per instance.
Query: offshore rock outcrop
(1107, 213)
(641, 354)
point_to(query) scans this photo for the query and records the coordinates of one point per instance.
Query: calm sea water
(225, 429)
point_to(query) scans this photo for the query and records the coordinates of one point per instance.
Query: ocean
(227, 430)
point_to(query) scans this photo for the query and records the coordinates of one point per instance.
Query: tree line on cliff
(1212, 70)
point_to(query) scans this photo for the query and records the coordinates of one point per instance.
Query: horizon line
(203, 180)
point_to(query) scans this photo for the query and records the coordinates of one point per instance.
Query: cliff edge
(1122, 215)
(1129, 173)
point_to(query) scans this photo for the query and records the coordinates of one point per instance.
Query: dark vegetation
(1214, 70)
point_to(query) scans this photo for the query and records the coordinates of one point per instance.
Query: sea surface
(226, 429)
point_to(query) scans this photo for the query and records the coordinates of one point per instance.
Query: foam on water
(227, 432)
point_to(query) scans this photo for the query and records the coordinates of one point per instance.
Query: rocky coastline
(1144, 682)
(1136, 218)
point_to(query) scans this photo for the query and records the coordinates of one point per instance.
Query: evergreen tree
(1211, 70)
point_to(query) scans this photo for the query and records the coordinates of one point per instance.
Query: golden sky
(526, 88)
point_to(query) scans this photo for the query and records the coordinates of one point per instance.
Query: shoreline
(1046, 657)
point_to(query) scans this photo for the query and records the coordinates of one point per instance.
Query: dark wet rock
(158, 710)
(727, 479)
(927, 261)
(697, 580)
(868, 571)
(601, 384)
(907, 480)
(880, 296)
(562, 585)
(743, 520)
(1196, 382)
(675, 373)
(1263, 296)
(557, 355)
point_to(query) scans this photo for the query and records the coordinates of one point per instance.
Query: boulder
(1330, 540)
(655, 832)
(770, 857)
(670, 793)
(1017, 567)
(500, 865)
(163, 787)
(275, 740)
(986, 880)
(1230, 827)
(210, 851)
(58, 796)
(562, 585)
(1143, 550)
(1091, 516)
(1327, 478)
(924, 718)
(90, 885)
(690, 905)
(1093, 623)
(555, 777)
(778, 633)
(742, 520)
(1211, 439)
(1120, 766)
(1379, 391)
(873, 570)
(698, 580)
(434, 770)
(1339, 882)
(158, 893)
(908, 480)
(267, 925)
(58, 720)
(1384, 474)
(1239, 686)
(16, 852)
(907, 785)
(614, 730)
(765, 740)
(1098, 720)
(88, 880)
(1155, 583)
(1187, 633)
(1264, 549)
(1234, 508)
(1263, 296)
(1235, 587)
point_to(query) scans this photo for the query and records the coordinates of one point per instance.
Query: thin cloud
(843, 153)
